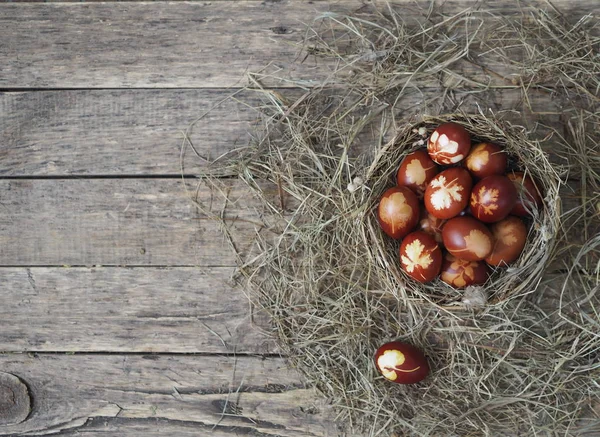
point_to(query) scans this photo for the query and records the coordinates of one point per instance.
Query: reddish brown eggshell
(461, 273)
(528, 195)
(415, 172)
(449, 143)
(401, 363)
(431, 225)
(420, 256)
(486, 159)
(398, 211)
(448, 193)
(510, 237)
(467, 238)
(493, 198)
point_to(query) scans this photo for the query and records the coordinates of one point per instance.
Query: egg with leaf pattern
(528, 194)
(401, 363)
(467, 238)
(510, 236)
(398, 211)
(448, 193)
(415, 172)
(420, 256)
(461, 273)
(493, 198)
(486, 159)
(449, 143)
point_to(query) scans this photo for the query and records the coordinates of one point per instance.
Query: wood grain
(139, 132)
(140, 310)
(153, 45)
(197, 395)
(138, 222)
(117, 132)
(192, 45)
(118, 222)
(173, 310)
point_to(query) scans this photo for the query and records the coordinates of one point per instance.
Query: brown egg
(486, 159)
(420, 256)
(467, 238)
(415, 172)
(401, 363)
(398, 211)
(448, 193)
(493, 198)
(449, 143)
(510, 237)
(461, 273)
(431, 225)
(528, 195)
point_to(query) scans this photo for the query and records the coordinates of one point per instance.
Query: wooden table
(117, 312)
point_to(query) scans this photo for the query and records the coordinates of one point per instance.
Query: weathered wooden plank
(117, 132)
(136, 222)
(158, 310)
(188, 44)
(149, 45)
(117, 222)
(139, 132)
(183, 310)
(211, 395)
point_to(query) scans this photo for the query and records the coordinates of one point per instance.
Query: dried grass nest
(515, 357)
(524, 155)
(332, 286)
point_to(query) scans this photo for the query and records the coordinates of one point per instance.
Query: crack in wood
(101, 423)
(268, 388)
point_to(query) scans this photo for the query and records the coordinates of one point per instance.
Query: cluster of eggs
(457, 209)
(454, 222)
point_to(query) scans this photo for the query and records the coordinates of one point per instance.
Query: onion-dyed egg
(401, 363)
(420, 256)
(486, 159)
(449, 143)
(467, 238)
(493, 198)
(461, 273)
(398, 211)
(528, 195)
(448, 193)
(415, 172)
(510, 237)
(431, 225)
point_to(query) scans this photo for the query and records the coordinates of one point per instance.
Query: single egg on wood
(493, 198)
(467, 238)
(401, 363)
(448, 193)
(528, 195)
(415, 172)
(510, 237)
(431, 225)
(420, 256)
(398, 211)
(486, 159)
(449, 143)
(461, 273)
